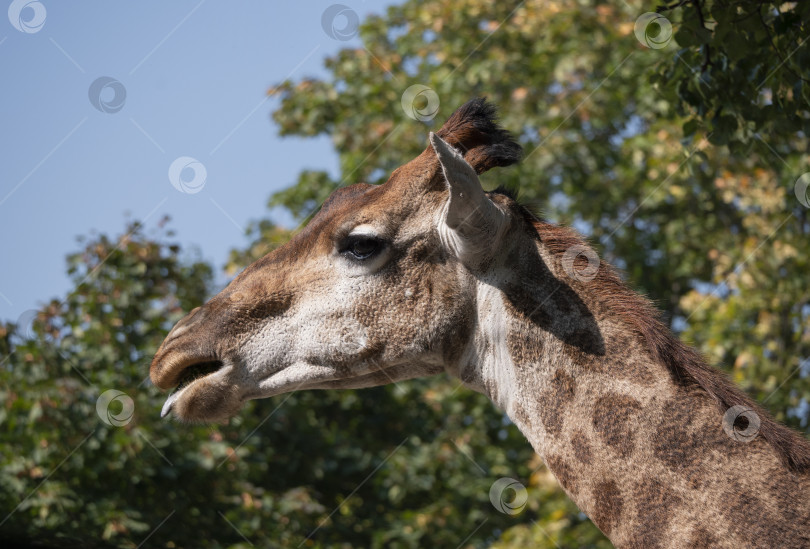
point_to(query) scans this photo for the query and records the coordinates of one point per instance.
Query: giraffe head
(374, 290)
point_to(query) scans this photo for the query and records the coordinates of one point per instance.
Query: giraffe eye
(362, 247)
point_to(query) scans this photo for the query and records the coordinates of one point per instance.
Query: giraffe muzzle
(190, 375)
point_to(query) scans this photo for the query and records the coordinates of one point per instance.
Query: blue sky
(195, 76)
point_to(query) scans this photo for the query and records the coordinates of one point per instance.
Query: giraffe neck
(647, 459)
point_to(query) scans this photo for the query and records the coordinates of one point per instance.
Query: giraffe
(427, 273)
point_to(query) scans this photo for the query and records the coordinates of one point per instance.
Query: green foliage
(680, 162)
(742, 70)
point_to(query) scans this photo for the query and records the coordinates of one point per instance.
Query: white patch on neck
(494, 362)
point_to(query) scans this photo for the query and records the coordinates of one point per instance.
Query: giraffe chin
(210, 399)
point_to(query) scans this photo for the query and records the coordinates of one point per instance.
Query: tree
(628, 141)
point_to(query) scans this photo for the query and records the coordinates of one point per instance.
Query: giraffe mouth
(190, 375)
(196, 371)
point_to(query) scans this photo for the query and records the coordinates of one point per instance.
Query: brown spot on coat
(555, 400)
(626, 357)
(613, 419)
(654, 505)
(674, 445)
(525, 347)
(743, 508)
(608, 505)
(564, 474)
(681, 437)
(702, 539)
(581, 446)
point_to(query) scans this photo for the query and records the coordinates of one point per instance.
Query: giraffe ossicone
(427, 273)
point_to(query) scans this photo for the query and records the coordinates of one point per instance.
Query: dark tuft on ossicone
(474, 130)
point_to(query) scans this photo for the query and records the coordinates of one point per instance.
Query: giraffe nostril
(193, 317)
(186, 345)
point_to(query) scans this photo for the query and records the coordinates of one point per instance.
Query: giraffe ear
(472, 223)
